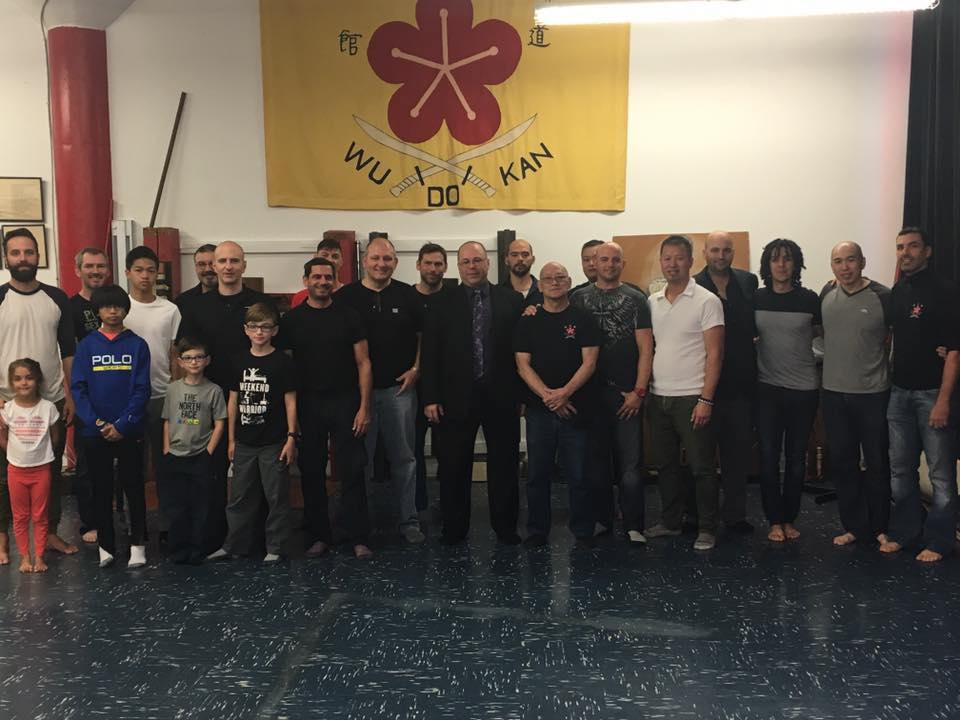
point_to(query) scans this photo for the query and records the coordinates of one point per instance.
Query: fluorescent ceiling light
(584, 12)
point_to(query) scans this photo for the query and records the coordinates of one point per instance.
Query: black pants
(616, 458)
(454, 439)
(129, 456)
(784, 419)
(733, 425)
(187, 483)
(419, 449)
(322, 416)
(855, 421)
(82, 485)
(216, 502)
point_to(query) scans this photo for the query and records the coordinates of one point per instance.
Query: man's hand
(700, 417)
(69, 410)
(408, 379)
(530, 311)
(555, 398)
(231, 449)
(939, 415)
(289, 452)
(361, 421)
(566, 411)
(631, 405)
(433, 411)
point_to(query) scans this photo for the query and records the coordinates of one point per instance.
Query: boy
(261, 424)
(111, 388)
(156, 320)
(194, 418)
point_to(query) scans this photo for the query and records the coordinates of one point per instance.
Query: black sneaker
(741, 527)
(508, 539)
(535, 540)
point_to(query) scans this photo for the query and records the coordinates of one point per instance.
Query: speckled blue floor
(747, 631)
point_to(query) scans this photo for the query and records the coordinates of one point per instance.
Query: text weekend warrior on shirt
(260, 384)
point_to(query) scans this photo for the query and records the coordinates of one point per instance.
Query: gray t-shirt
(785, 323)
(856, 358)
(191, 411)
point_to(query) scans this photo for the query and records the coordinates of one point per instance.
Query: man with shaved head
(519, 262)
(470, 381)
(626, 356)
(216, 319)
(392, 313)
(733, 412)
(857, 320)
(556, 352)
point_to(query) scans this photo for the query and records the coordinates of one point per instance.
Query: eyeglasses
(554, 279)
(193, 358)
(253, 327)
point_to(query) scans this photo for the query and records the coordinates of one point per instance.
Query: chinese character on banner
(348, 41)
(538, 36)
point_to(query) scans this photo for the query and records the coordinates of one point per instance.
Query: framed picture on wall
(39, 232)
(21, 199)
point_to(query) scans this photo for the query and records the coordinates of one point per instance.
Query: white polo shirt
(680, 355)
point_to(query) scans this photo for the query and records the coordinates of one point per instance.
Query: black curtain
(932, 192)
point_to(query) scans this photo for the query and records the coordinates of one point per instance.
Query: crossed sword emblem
(438, 164)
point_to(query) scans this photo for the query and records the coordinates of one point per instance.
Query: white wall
(24, 128)
(781, 128)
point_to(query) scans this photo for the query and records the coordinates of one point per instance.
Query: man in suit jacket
(733, 412)
(468, 380)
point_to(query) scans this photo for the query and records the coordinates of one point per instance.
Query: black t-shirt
(555, 341)
(393, 317)
(85, 319)
(428, 302)
(620, 312)
(322, 342)
(926, 315)
(261, 383)
(217, 320)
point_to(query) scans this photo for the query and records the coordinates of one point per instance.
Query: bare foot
(25, 566)
(39, 565)
(55, 542)
(776, 533)
(4, 549)
(929, 556)
(90, 536)
(883, 538)
(362, 552)
(845, 539)
(791, 532)
(890, 546)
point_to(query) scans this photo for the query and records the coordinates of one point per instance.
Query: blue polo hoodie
(110, 381)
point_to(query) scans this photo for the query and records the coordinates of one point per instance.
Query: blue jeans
(546, 434)
(393, 417)
(784, 420)
(908, 417)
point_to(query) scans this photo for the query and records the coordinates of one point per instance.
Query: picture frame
(21, 200)
(39, 232)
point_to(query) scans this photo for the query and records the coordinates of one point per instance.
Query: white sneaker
(138, 556)
(413, 535)
(220, 554)
(636, 536)
(271, 559)
(106, 559)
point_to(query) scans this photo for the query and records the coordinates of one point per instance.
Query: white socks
(138, 556)
(106, 559)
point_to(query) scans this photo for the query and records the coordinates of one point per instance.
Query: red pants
(29, 493)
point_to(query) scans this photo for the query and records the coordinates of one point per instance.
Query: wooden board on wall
(642, 256)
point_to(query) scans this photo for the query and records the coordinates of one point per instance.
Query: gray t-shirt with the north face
(191, 411)
(856, 356)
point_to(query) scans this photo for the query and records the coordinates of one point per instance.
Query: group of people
(219, 377)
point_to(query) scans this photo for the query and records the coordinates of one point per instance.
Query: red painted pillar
(83, 184)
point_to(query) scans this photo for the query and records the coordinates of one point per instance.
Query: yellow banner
(404, 104)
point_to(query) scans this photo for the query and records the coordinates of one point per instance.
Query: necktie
(479, 327)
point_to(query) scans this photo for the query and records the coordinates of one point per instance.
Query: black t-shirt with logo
(393, 317)
(322, 341)
(926, 315)
(85, 318)
(555, 341)
(261, 383)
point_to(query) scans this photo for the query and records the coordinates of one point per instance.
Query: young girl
(28, 434)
